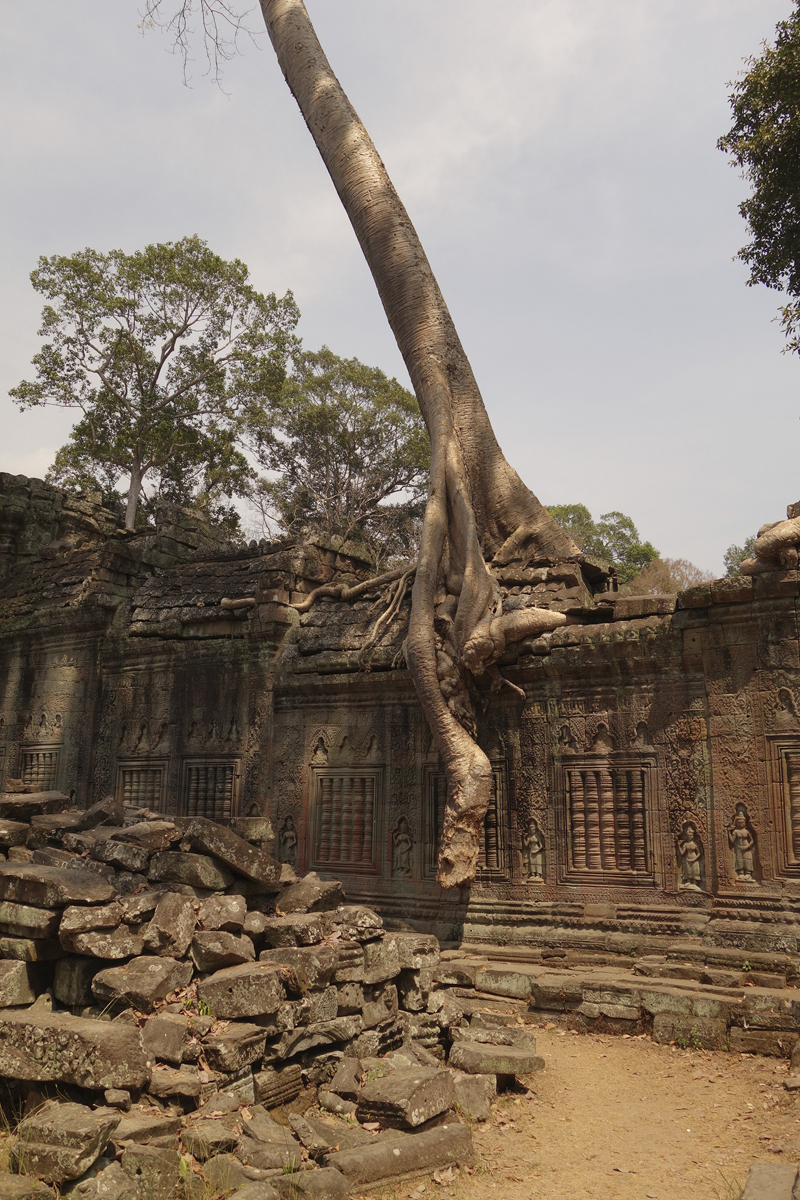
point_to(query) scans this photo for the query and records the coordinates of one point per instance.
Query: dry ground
(613, 1118)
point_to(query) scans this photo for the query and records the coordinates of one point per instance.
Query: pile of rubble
(179, 1013)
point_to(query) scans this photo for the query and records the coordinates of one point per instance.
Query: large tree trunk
(133, 494)
(478, 508)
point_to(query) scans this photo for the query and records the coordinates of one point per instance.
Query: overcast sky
(558, 159)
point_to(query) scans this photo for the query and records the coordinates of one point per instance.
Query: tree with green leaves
(736, 555)
(764, 141)
(614, 537)
(168, 353)
(347, 453)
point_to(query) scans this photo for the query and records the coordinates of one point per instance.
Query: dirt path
(615, 1118)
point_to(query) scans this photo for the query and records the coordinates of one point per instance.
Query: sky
(558, 158)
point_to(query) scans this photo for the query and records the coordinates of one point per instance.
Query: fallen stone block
(139, 1127)
(346, 1081)
(103, 1181)
(214, 949)
(17, 984)
(381, 961)
(72, 980)
(226, 1174)
(245, 991)
(308, 1037)
(13, 833)
(31, 949)
(61, 1140)
(311, 894)
(124, 856)
(481, 1030)
(23, 1187)
(350, 998)
(174, 1081)
(170, 930)
(59, 1048)
(706, 1033)
(415, 988)
(275, 1086)
(775, 1043)
(194, 870)
(24, 807)
(257, 1191)
(476, 1058)
(155, 1171)
(402, 1154)
(226, 913)
(117, 1098)
(474, 1094)
(770, 1181)
(163, 1037)
(377, 1042)
(382, 1008)
(51, 887)
(235, 1047)
(81, 919)
(142, 982)
(298, 929)
(152, 836)
(351, 963)
(113, 944)
(353, 922)
(317, 963)
(108, 811)
(50, 857)
(406, 1098)
(325, 1184)
(241, 856)
(497, 981)
(332, 1103)
(275, 1153)
(324, 1006)
(204, 1139)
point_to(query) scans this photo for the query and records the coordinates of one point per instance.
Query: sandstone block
(152, 836)
(324, 1006)
(381, 960)
(317, 963)
(226, 913)
(770, 1181)
(80, 919)
(12, 833)
(324, 1184)
(406, 1098)
(235, 1047)
(505, 982)
(401, 1154)
(267, 1145)
(163, 1037)
(22, 808)
(776, 1043)
(257, 1191)
(59, 1048)
(141, 982)
(311, 894)
(245, 991)
(204, 1139)
(31, 949)
(170, 930)
(325, 1033)
(474, 1094)
(325, 1135)
(226, 1174)
(108, 811)
(17, 984)
(155, 1172)
(138, 1128)
(171, 1081)
(51, 887)
(214, 949)
(416, 950)
(477, 1058)
(415, 988)
(241, 856)
(104, 943)
(350, 998)
(60, 1141)
(381, 1008)
(705, 1033)
(125, 856)
(23, 1187)
(346, 1081)
(195, 870)
(351, 963)
(104, 1181)
(299, 929)
(353, 922)
(275, 1086)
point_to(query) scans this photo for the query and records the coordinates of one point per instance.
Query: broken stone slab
(226, 1174)
(224, 913)
(80, 919)
(138, 906)
(324, 1006)
(332, 1103)
(163, 1037)
(770, 1181)
(257, 830)
(325, 1033)
(353, 922)
(401, 1154)
(174, 1081)
(298, 929)
(416, 950)
(117, 1098)
(214, 949)
(59, 1048)
(258, 1191)
(154, 1171)
(317, 963)
(204, 1139)
(139, 1127)
(152, 836)
(171, 927)
(351, 963)
(23, 1187)
(142, 982)
(72, 980)
(346, 1081)
(17, 984)
(406, 1098)
(51, 887)
(196, 870)
(382, 1008)
(311, 894)
(31, 949)
(276, 1086)
(125, 856)
(350, 998)
(24, 807)
(280, 1152)
(376, 1042)
(326, 1135)
(245, 991)
(510, 1035)
(516, 982)
(108, 811)
(478, 1058)
(50, 857)
(706, 1033)
(474, 1094)
(415, 988)
(105, 1180)
(60, 1141)
(107, 944)
(13, 833)
(241, 856)
(381, 961)
(325, 1184)
(235, 1047)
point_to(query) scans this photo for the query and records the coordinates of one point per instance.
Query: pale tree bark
(479, 510)
(137, 474)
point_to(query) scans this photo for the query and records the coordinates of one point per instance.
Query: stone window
(785, 789)
(607, 801)
(210, 787)
(346, 817)
(39, 767)
(141, 783)
(493, 856)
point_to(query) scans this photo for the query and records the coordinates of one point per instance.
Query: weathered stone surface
(400, 1154)
(50, 887)
(516, 982)
(17, 984)
(171, 927)
(317, 963)
(311, 894)
(476, 1058)
(226, 1174)
(155, 1171)
(350, 998)
(31, 949)
(23, 1187)
(125, 856)
(697, 1033)
(141, 982)
(103, 1181)
(214, 949)
(353, 922)
(267, 1145)
(474, 1094)
(325, 1033)
(415, 988)
(241, 856)
(59, 1048)
(144, 1127)
(152, 836)
(12, 833)
(776, 1043)
(140, 905)
(171, 1081)
(107, 944)
(234, 1047)
(257, 1191)
(163, 1037)
(299, 929)
(346, 1081)
(770, 1181)
(245, 991)
(108, 811)
(204, 1139)
(275, 1086)
(23, 808)
(325, 1135)
(72, 980)
(381, 1008)
(80, 919)
(416, 950)
(60, 1141)
(195, 870)
(381, 961)
(406, 1098)
(117, 1098)
(324, 1006)
(325, 1184)
(226, 913)
(332, 1102)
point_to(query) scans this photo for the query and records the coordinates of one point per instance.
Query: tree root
(341, 591)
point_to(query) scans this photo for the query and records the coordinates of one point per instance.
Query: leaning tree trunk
(478, 508)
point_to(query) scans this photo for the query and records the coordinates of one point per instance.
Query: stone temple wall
(649, 784)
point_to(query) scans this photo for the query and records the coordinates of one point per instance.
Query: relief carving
(402, 850)
(533, 855)
(287, 848)
(742, 842)
(690, 858)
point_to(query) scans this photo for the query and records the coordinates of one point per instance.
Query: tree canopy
(169, 353)
(614, 537)
(735, 555)
(764, 141)
(347, 452)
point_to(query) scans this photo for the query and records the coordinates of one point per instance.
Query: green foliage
(735, 555)
(168, 353)
(614, 537)
(764, 141)
(347, 453)
(665, 575)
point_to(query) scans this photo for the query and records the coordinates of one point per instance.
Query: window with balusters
(607, 802)
(493, 855)
(141, 783)
(346, 819)
(210, 788)
(39, 767)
